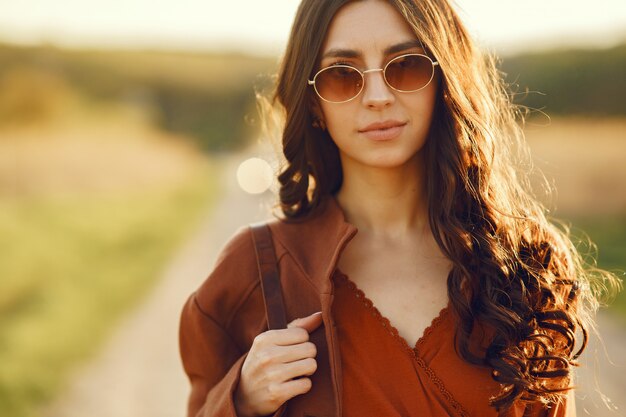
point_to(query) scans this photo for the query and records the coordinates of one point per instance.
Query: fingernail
(319, 312)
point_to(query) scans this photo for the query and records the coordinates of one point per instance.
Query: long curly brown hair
(514, 271)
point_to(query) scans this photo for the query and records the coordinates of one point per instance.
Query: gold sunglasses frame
(362, 73)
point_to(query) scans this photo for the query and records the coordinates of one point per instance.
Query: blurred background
(130, 150)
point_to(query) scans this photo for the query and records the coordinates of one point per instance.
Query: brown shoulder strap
(269, 276)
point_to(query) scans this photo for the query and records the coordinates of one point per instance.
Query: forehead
(369, 26)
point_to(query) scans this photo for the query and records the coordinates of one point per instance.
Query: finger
(305, 318)
(306, 366)
(286, 354)
(308, 323)
(284, 337)
(295, 387)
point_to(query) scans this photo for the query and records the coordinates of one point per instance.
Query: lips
(387, 124)
(383, 131)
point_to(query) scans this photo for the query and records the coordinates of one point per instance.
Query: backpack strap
(269, 276)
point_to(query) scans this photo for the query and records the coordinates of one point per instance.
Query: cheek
(339, 123)
(338, 133)
(422, 108)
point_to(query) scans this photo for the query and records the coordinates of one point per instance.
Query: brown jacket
(221, 319)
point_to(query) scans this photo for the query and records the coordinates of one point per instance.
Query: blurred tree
(581, 82)
(210, 96)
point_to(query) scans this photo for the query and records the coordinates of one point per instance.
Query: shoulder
(232, 278)
(235, 274)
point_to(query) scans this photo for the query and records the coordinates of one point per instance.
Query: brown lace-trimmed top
(384, 376)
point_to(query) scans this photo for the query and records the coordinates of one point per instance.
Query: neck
(385, 202)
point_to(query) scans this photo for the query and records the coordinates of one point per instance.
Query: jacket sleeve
(210, 356)
(212, 362)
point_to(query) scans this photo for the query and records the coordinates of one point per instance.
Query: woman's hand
(270, 373)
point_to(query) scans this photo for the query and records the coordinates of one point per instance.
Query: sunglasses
(407, 73)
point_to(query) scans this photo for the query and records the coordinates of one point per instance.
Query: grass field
(585, 160)
(89, 215)
(70, 269)
(609, 235)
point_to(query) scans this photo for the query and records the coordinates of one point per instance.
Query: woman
(455, 297)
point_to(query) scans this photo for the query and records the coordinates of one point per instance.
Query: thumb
(309, 323)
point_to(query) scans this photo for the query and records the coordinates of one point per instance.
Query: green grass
(609, 236)
(70, 268)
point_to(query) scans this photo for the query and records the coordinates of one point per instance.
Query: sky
(262, 26)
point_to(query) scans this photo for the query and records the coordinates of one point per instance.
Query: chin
(388, 161)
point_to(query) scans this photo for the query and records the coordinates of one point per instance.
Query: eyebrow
(351, 53)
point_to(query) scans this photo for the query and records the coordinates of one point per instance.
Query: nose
(376, 92)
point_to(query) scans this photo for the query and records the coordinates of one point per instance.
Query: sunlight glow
(262, 27)
(255, 175)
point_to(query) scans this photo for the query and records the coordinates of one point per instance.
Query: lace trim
(412, 352)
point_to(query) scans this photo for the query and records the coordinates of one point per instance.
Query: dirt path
(138, 373)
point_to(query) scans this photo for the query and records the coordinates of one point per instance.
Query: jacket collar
(316, 243)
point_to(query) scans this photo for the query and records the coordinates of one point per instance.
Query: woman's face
(369, 28)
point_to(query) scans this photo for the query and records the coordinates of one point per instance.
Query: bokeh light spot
(254, 175)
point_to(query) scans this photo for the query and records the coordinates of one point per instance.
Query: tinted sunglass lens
(338, 83)
(409, 73)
